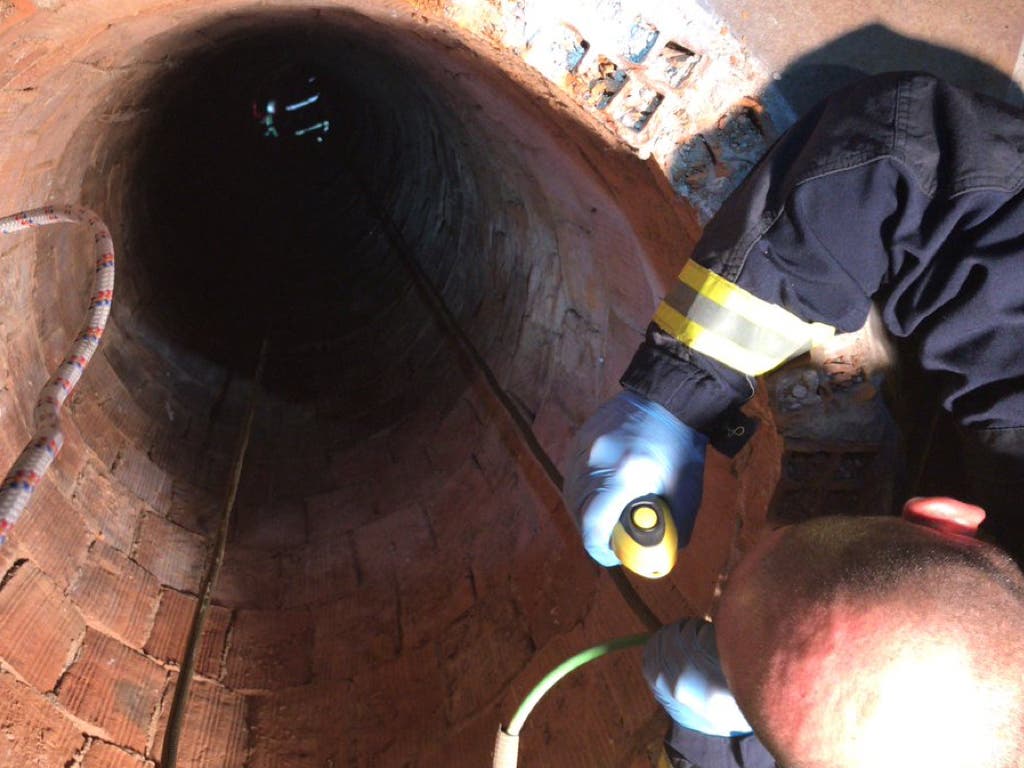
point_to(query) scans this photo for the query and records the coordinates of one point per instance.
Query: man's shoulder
(949, 140)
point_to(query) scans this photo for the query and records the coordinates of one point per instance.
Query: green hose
(506, 748)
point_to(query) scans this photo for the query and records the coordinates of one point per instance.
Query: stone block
(274, 525)
(11, 553)
(53, 534)
(339, 511)
(609, 615)
(40, 631)
(169, 635)
(270, 649)
(108, 509)
(171, 628)
(455, 437)
(295, 477)
(567, 710)
(576, 731)
(213, 643)
(627, 692)
(74, 456)
(491, 573)
(480, 655)
(104, 755)
(214, 732)
(195, 508)
(621, 343)
(114, 688)
(498, 449)
(398, 708)
(580, 349)
(397, 539)
(553, 588)
(15, 11)
(360, 631)
(15, 434)
(408, 447)
(362, 464)
(531, 498)
(135, 366)
(138, 474)
(23, 357)
(515, 522)
(469, 744)
(92, 421)
(118, 402)
(116, 595)
(435, 586)
(543, 660)
(19, 250)
(464, 495)
(321, 572)
(33, 732)
(257, 483)
(168, 442)
(303, 726)
(177, 557)
(554, 429)
(398, 484)
(249, 578)
(530, 369)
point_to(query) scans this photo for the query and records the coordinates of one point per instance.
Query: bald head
(853, 642)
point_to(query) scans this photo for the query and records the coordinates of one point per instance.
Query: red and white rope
(47, 439)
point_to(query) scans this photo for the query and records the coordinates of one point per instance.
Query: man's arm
(900, 188)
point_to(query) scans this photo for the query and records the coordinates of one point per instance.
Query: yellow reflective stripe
(701, 310)
(733, 326)
(709, 343)
(747, 305)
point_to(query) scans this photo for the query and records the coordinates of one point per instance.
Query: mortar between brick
(79, 756)
(228, 637)
(154, 724)
(76, 652)
(11, 571)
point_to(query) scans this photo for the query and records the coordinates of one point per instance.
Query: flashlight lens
(644, 517)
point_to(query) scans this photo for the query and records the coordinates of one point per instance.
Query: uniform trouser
(994, 460)
(693, 749)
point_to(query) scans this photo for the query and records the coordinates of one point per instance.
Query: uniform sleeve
(902, 190)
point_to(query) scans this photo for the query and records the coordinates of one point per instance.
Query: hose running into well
(506, 747)
(179, 704)
(48, 437)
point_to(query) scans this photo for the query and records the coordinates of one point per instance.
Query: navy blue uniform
(901, 190)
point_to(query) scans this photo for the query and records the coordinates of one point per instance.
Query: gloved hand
(631, 447)
(682, 668)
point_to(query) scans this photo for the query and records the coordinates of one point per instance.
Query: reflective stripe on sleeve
(721, 320)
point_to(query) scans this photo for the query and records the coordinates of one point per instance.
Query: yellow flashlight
(645, 538)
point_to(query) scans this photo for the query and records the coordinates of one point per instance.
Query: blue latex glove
(631, 447)
(682, 668)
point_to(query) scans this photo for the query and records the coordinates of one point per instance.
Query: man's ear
(944, 514)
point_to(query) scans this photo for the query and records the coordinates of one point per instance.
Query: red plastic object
(944, 514)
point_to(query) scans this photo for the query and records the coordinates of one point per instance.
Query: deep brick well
(399, 571)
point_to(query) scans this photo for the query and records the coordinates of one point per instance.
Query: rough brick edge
(13, 11)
